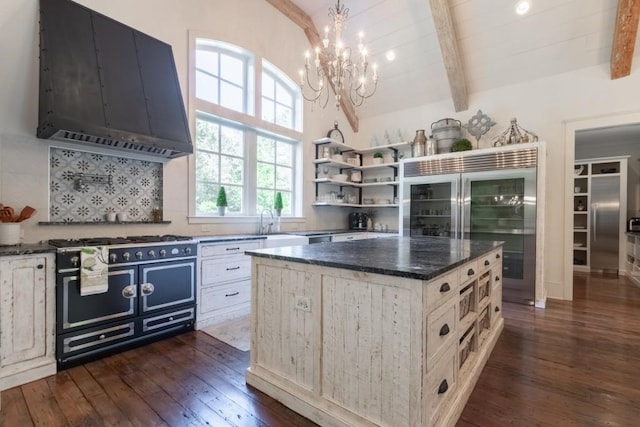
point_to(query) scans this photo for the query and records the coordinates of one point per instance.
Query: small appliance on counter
(357, 221)
(634, 224)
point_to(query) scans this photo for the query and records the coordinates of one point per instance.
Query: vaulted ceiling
(479, 46)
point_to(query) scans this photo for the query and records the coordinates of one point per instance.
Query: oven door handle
(129, 292)
(147, 288)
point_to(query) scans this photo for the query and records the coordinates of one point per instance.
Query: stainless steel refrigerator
(604, 233)
(483, 197)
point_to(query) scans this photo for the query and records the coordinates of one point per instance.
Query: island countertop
(411, 257)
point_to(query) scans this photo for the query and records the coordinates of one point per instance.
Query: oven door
(167, 285)
(76, 311)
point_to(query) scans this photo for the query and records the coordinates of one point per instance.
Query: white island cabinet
(27, 318)
(398, 340)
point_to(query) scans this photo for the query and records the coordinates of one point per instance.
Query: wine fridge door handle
(594, 220)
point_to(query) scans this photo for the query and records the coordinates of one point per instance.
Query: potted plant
(277, 204)
(461, 145)
(221, 201)
(378, 158)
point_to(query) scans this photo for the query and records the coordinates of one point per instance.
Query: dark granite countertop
(26, 249)
(228, 238)
(417, 258)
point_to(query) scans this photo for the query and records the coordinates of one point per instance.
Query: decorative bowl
(340, 177)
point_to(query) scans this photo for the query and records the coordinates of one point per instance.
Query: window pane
(266, 148)
(283, 96)
(286, 203)
(284, 178)
(231, 97)
(234, 199)
(265, 200)
(268, 86)
(284, 116)
(207, 135)
(266, 175)
(207, 61)
(232, 69)
(268, 110)
(206, 198)
(206, 87)
(232, 142)
(207, 167)
(231, 170)
(284, 154)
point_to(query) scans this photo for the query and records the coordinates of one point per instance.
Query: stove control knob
(139, 254)
(187, 250)
(113, 258)
(126, 256)
(151, 253)
(75, 260)
(162, 252)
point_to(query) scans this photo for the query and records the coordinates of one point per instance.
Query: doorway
(600, 128)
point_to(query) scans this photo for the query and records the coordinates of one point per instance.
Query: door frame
(571, 127)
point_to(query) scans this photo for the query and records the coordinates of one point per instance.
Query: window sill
(236, 219)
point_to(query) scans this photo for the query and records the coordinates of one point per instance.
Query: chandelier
(333, 66)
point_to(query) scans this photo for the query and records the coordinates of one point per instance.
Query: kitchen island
(388, 332)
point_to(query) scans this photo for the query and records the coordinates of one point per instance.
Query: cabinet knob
(40, 266)
(444, 386)
(471, 272)
(486, 262)
(445, 287)
(497, 279)
(444, 330)
(497, 309)
(497, 256)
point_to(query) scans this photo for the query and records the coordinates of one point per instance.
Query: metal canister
(431, 147)
(417, 147)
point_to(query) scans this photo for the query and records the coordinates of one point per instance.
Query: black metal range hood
(106, 84)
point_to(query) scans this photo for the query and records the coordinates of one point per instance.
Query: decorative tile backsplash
(136, 188)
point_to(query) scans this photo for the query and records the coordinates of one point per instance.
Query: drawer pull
(445, 287)
(497, 256)
(497, 309)
(445, 330)
(471, 272)
(233, 249)
(232, 295)
(233, 268)
(486, 262)
(444, 386)
(497, 279)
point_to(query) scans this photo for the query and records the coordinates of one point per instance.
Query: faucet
(265, 229)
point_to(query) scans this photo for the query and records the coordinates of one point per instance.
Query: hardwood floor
(573, 364)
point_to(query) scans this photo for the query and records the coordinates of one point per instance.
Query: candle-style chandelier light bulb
(333, 62)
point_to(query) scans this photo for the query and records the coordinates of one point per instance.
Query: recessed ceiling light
(391, 55)
(523, 7)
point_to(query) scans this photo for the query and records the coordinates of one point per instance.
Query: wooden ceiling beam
(624, 38)
(450, 53)
(301, 19)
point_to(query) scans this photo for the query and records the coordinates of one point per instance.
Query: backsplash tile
(136, 187)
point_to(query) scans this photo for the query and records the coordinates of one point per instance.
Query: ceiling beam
(301, 19)
(624, 38)
(450, 53)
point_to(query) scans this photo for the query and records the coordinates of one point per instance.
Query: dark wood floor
(573, 364)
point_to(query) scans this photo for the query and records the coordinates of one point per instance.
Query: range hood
(104, 83)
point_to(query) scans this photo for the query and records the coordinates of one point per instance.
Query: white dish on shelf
(340, 177)
(578, 245)
(578, 170)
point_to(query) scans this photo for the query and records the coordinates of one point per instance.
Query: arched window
(247, 142)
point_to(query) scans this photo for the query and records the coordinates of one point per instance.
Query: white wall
(542, 106)
(252, 24)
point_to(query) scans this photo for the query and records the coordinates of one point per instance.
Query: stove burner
(107, 241)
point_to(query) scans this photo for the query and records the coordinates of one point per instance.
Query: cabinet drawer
(228, 248)
(488, 261)
(216, 271)
(441, 289)
(441, 331)
(223, 296)
(441, 384)
(468, 271)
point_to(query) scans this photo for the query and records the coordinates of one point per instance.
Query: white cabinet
(377, 179)
(224, 282)
(27, 318)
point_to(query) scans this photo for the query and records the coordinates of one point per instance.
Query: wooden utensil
(26, 213)
(6, 214)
